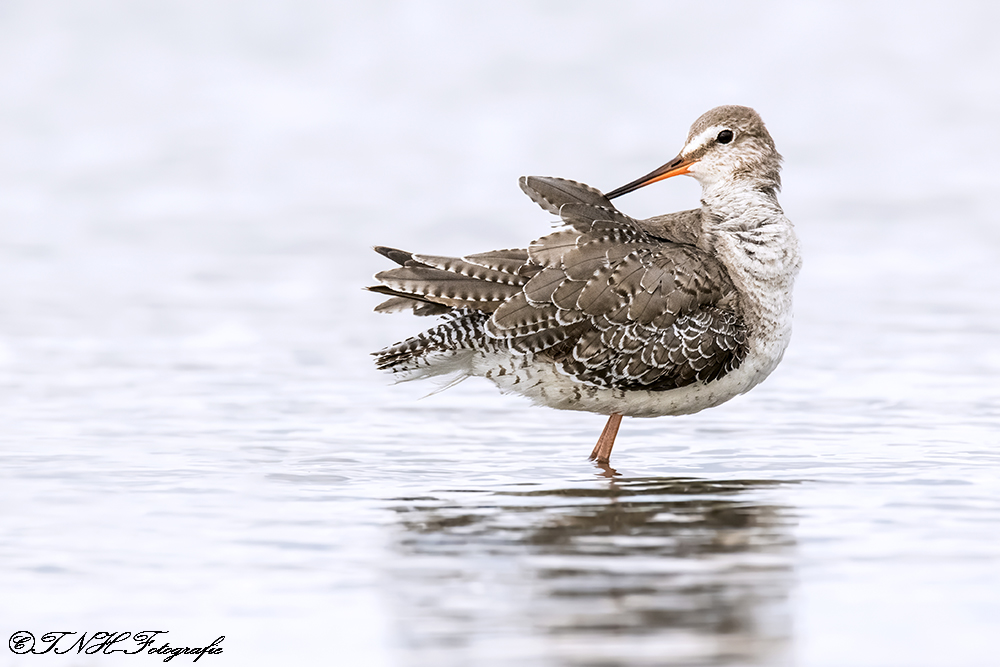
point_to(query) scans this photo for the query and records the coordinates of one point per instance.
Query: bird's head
(728, 145)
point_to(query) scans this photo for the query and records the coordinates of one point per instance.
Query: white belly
(540, 380)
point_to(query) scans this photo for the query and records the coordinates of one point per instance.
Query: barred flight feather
(506, 261)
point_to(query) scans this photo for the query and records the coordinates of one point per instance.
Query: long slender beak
(675, 167)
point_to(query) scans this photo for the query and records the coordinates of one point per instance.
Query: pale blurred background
(192, 436)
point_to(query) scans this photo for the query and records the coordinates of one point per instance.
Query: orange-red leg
(602, 450)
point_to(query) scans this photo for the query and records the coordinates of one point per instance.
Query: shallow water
(194, 439)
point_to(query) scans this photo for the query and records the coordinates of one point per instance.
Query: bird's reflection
(618, 571)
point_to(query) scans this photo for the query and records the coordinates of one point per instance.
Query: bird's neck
(747, 230)
(733, 205)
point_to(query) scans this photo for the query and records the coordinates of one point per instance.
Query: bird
(614, 315)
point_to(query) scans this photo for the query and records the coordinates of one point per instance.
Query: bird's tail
(465, 291)
(444, 349)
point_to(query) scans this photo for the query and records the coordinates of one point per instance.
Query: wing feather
(615, 302)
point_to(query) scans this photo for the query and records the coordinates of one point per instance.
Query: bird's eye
(725, 137)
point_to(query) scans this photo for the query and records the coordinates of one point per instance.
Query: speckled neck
(747, 230)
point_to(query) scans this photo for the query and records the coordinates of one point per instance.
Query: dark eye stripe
(725, 137)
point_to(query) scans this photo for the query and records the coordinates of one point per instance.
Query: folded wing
(611, 304)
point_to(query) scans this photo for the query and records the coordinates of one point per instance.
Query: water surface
(193, 437)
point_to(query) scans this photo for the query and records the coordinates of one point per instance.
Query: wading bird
(613, 315)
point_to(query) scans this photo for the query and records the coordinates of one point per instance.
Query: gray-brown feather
(680, 227)
(615, 302)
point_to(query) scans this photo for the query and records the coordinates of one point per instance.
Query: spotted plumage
(616, 315)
